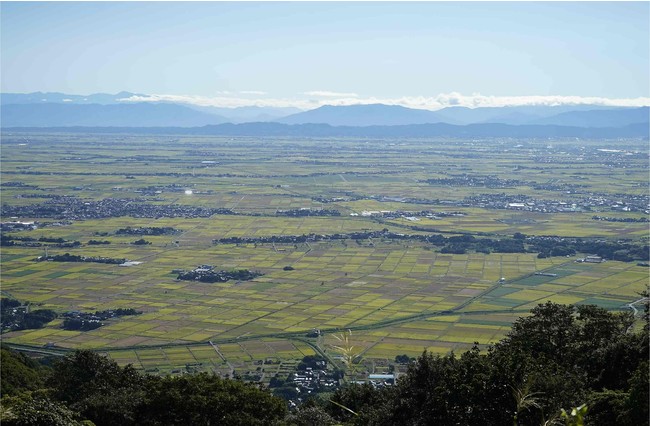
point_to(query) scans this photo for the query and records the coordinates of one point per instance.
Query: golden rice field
(397, 296)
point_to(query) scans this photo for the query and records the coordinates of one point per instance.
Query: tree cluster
(86, 321)
(15, 316)
(13, 240)
(67, 257)
(212, 276)
(623, 251)
(621, 219)
(148, 230)
(308, 212)
(85, 386)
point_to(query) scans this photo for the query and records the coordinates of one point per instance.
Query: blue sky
(284, 54)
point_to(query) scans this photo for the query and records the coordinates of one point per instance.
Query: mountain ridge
(270, 129)
(53, 109)
(98, 115)
(363, 115)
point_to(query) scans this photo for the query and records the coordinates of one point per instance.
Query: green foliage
(402, 359)
(360, 404)
(605, 408)
(108, 394)
(207, 399)
(635, 408)
(98, 388)
(311, 361)
(19, 373)
(451, 390)
(39, 411)
(576, 417)
(141, 242)
(310, 416)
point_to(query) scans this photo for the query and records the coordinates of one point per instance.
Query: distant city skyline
(301, 54)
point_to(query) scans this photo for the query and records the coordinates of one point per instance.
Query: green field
(397, 296)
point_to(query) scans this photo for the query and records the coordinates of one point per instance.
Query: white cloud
(328, 94)
(252, 92)
(440, 101)
(222, 101)
(477, 100)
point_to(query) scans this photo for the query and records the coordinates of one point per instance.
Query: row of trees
(558, 357)
(625, 251)
(67, 257)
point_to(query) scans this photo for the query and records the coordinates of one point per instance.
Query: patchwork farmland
(372, 268)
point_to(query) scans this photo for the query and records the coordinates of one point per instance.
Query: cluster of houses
(311, 379)
(623, 203)
(591, 259)
(408, 215)
(74, 208)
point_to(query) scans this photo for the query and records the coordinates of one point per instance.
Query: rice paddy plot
(396, 294)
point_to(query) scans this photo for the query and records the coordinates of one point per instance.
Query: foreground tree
(204, 399)
(98, 388)
(36, 411)
(107, 394)
(19, 373)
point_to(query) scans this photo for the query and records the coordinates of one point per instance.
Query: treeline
(618, 250)
(434, 239)
(461, 244)
(148, 230)
(212, 276)
(67, 257)
(478, 181)
(621, 219)
(15, 316)
(308, 212)
(557, 358)
(13, 240)
(86, 321)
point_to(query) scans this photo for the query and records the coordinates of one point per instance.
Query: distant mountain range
(58, 104)
(363, 115)
(390, 115)
(100, 110)
(248, 114)
(487, 130)
(115, 115)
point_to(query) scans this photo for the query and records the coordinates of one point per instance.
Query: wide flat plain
(397, 296)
